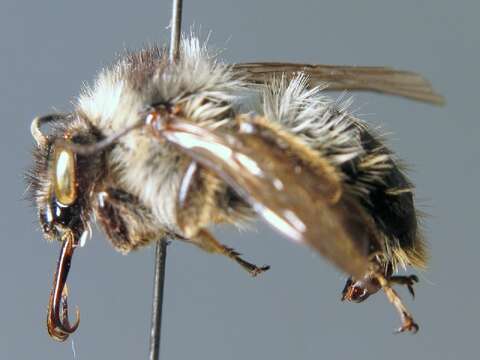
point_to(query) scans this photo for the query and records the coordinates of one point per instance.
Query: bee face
(61, 181)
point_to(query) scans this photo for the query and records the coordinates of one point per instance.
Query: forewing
(286, 193)
(367, 78)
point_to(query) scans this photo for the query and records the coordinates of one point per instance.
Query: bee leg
(408, 324)
(206, 241)
(408, 281)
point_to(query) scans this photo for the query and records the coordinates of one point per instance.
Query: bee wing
(368, 78)
(285, 192)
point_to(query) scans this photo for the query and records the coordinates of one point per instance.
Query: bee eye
(65, 177)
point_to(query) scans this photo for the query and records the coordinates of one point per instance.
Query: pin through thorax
(58, 325)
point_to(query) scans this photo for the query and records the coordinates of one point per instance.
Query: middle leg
(207, 242)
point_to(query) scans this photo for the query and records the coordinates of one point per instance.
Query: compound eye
(65, 176)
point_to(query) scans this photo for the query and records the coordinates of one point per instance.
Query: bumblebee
(155, 149)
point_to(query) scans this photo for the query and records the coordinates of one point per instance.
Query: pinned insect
(157, 149)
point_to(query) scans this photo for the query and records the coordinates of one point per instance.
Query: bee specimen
(157, 149)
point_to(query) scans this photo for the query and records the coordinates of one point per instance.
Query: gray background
(213, 310)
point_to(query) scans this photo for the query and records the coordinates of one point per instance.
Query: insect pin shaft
(161, 246)
(176, 24)
(158, 286)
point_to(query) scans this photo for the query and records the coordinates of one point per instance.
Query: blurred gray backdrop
(213, 310)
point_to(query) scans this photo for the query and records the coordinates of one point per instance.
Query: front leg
(126, 222)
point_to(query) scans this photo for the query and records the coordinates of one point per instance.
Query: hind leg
(360, 290)
(408, 281)
(408, 324)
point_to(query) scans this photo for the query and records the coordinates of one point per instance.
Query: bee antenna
(90, 149)
(39, 137)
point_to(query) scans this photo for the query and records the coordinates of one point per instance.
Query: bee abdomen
(367, 167)
(388, 196)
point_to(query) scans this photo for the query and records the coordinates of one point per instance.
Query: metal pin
(158, 286)
(161, 246)
(175, 35)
